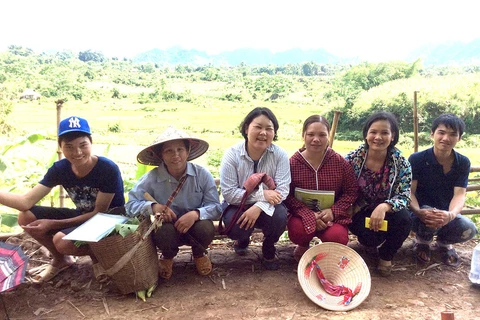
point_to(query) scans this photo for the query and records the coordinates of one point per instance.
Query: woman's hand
(327, 215)
(378, 215)
(324, 219)
(249, 217)
(185, 222)
(163, 213)
(272, 196)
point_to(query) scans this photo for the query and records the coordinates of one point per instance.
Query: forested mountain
(356, 89)
(452, 53)
(178, 55)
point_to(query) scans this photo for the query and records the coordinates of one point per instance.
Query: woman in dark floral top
(384, 177)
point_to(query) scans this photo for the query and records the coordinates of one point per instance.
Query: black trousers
(168, 239)
(272, 228)
(399, 224)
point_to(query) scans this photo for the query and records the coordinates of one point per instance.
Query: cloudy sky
(369, 29)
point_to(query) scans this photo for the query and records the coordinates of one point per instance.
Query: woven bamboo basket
(140, 271)
(340, 265)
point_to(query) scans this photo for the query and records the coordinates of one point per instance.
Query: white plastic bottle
(475, 268)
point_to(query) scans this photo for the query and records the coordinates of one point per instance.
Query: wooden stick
(415, 122)
(105, 305)
(333, 130)
(76, 308)
(59, 104)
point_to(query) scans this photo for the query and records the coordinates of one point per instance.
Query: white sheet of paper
(96, 228)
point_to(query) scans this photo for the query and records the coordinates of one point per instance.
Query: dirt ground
(240, 289)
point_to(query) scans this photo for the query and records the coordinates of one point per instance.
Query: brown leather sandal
(204, 265)
(384, 268)
(165, 268)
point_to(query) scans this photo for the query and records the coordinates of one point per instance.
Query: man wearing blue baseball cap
(93, 183)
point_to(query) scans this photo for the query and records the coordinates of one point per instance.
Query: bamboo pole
(333, 130)
(415, 122)
(59, 104)
(472, 187)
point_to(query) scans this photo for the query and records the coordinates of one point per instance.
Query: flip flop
(99, 273)
(36, 270)
(422, 252)
(47, 274)
(449, 257)
(241, 251)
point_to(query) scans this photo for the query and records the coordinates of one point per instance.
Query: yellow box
(384, 226)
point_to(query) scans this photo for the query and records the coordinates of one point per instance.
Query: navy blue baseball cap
(73, 124)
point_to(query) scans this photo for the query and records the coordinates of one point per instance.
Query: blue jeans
(458, 230)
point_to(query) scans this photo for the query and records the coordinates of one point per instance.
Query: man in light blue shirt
(188, 218)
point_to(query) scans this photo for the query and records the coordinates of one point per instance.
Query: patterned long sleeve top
(334, 174)
(399, 179)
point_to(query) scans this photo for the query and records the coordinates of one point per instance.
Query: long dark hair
(255, 113)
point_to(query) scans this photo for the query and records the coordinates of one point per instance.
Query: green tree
(89, 55)
(20, 51)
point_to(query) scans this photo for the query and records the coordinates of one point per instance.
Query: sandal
(99, 273)
(449, 257)
(422, 252)
(384, 268)
(204, 265)
(298, 252)
(372, 251)
(47, 274)
(271, 264)
(165, 268)
(241, 251)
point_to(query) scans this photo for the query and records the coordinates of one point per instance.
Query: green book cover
(315, 200)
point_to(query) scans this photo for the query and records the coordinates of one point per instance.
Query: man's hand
(39, 227)
(185, 222)
(423, 213)
(436, 218)
(249, 217)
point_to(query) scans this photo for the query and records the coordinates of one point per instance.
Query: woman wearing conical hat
(188, 219)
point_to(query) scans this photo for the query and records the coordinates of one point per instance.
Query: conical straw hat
(150, 155)
(340, 265)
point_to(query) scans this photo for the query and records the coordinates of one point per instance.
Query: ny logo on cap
(74, 122)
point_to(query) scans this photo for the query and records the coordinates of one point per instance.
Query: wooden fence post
(333, 129)
(59, 104)
(415, 122)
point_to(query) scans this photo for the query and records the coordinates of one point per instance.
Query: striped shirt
(237, 166)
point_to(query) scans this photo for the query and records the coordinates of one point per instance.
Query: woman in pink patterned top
(317, 167)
